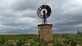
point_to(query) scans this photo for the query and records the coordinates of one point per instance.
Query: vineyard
(32, 40)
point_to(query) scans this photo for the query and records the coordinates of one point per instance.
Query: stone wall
(45, 32)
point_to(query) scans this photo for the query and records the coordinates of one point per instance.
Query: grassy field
(20, 36)
(32, 40)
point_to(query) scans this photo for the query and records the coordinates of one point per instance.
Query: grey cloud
(21, 16)
(25, 4)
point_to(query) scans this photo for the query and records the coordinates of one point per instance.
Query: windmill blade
(42, 15)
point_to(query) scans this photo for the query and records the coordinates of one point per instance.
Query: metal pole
(44, 17)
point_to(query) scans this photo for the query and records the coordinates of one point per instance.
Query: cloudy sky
(19, 16)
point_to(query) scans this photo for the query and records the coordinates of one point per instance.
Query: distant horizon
(30, 33)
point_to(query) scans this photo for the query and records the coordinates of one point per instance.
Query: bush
(2, 41)
(41, 43)
(20, 42)
(8, 44)
(24, 45)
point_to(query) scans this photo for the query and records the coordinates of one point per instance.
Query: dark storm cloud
(19, 16)
(21, 31)
(68, 23)
(25, 4)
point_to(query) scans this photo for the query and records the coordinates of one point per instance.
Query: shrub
(8, 44)
(20, 42)
(2, 41)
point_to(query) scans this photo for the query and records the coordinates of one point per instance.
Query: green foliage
(41, 43)
(2, 41)
(20, 42)
(24, 45)
(32, 40)
(71, 42)
(8, 44)
(1, 44)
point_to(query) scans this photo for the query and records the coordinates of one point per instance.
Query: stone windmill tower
(44, 29)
